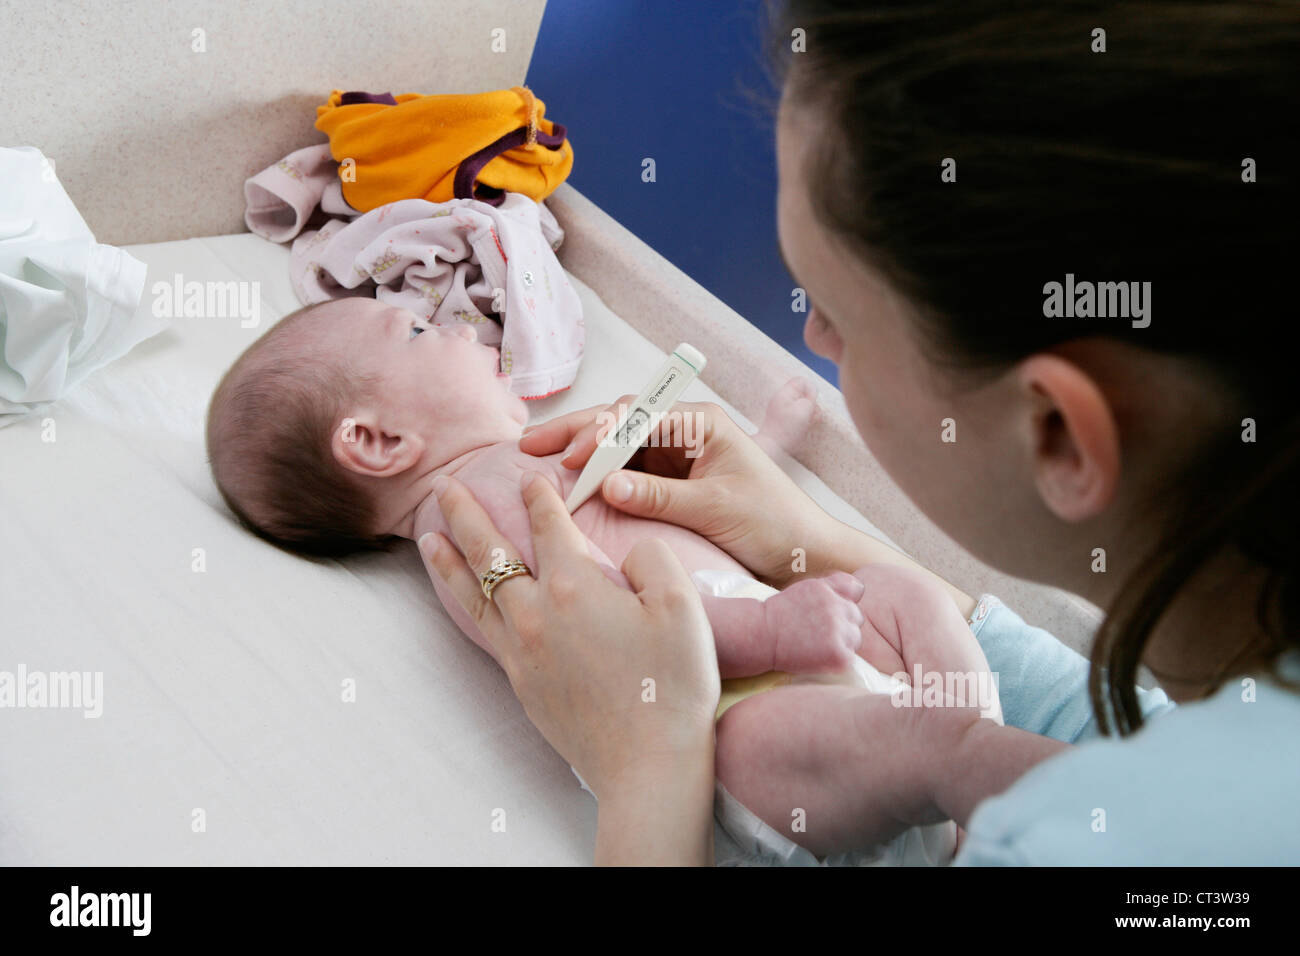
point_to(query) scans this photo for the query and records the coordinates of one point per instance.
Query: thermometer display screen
(635, 429)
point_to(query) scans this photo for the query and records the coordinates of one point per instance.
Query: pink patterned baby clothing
(462, 261)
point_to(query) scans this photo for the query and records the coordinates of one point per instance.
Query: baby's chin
(507, 412)
(518, 408)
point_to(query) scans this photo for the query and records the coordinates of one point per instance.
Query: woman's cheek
(876, 401)
(868, 411)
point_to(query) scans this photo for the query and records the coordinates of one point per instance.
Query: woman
(1062, 229)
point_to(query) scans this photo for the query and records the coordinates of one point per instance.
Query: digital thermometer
(633, 426)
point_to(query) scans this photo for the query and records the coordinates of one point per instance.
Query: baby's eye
(415, 330)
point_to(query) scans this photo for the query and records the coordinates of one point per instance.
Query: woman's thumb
(648, 496)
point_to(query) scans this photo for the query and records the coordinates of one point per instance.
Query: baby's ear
(362, 446)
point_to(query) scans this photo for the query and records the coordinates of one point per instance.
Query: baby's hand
(814, 625)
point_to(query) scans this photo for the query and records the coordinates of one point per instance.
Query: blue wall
(682, 83)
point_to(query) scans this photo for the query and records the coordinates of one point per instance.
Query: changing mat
(238, 704)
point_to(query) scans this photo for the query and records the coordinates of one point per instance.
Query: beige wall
(154, 140)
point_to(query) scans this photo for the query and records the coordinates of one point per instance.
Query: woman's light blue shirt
(1213, 781)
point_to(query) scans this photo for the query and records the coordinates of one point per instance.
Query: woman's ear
(362, 445)
(1074, 440)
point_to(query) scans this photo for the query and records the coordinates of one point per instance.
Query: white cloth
(67, 303)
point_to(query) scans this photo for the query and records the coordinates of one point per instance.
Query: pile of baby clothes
(434, 204)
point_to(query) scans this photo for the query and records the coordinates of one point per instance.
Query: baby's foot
(790, 413)
(815, 625)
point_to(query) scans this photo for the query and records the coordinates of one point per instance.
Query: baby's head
(324, 434)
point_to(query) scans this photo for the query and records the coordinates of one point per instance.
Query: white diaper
(742, 839)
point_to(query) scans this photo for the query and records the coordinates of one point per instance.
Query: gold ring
(499, 572)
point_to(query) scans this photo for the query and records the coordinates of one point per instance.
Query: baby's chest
(494, 479)
(494, 483)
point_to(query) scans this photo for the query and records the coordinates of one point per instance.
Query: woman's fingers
(590, 435)
(483, 546)
(680, 501)
(551, 436)
(578, 432)
(689, 434)
(450, 566)
(666, 590)
(554, 435)
(557, 542)
(654, 571)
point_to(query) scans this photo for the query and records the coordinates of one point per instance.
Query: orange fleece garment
(414, 150)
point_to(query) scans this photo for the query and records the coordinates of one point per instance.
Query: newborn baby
(325, 437)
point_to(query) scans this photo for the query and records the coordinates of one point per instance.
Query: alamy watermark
(55, 690)
(671, 429)
(208, 300)
(76, 908)
(1087, 300)
(948, 689)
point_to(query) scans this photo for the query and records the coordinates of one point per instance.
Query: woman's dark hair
(1169, 158)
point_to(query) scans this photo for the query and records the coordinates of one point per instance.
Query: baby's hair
(269, 433)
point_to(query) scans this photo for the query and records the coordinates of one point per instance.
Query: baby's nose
(465, 332)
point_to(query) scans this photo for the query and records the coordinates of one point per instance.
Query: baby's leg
(809, 756)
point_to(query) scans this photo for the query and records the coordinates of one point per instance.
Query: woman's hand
(708, 475)
(702, 472)
(623, 684)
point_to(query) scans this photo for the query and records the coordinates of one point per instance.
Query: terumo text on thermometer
(633, 426)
